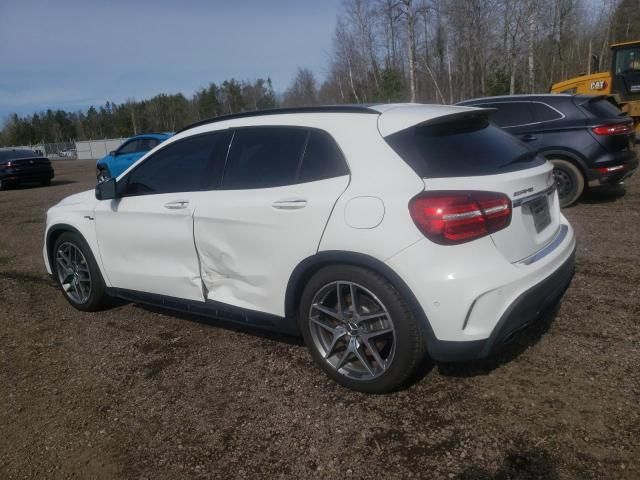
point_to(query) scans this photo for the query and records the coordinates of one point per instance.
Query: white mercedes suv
(380, 233)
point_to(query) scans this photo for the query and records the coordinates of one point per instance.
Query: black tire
(103, 174)
(3, 184)
(569, 180)
(409, 349)
(97, 298)
(45, 183)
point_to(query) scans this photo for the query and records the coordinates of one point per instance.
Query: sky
(71, 54)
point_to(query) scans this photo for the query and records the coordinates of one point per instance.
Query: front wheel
(359, 330)
(569, 181)
(77, 273)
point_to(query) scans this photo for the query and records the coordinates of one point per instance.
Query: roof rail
(363, 108)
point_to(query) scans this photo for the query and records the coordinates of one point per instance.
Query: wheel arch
(310, 265)
(54, 232)
(569, 156)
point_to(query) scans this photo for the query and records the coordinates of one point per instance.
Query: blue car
(132, 149)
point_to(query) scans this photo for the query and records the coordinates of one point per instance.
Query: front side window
(510, 114)
(264, 157)
(187, 165)
(147, 144)
(130, 147)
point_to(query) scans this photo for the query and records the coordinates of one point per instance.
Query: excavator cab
(626, 70)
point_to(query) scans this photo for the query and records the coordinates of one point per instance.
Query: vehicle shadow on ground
(603, 194)
(504, 353)
(225, 324)
(522, 462)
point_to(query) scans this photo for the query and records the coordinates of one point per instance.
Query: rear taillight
(452, 217)
(614, 169)
(613, 129)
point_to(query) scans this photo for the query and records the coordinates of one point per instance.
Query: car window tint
(543, 112)
(322, 158)
(147, 144)
(510, 114)
(264, 157)
(188, 165)
(11, 154)
(461, 149)
(603, 108)
(130, 147)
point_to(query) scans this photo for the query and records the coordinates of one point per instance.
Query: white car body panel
(250, 241)
(148, 247)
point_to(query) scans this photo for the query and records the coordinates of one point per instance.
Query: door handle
(289, 203)
(528, 138)
(178, 204)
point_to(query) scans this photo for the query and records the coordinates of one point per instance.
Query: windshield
(628, 60)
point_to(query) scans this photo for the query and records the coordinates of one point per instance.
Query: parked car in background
(117, 161)
(380, 233)
(587, 138)
(24, 166)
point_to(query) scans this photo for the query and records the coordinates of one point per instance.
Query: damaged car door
(276, 194)
(146, 233)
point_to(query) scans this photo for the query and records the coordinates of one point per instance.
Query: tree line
(432, 51)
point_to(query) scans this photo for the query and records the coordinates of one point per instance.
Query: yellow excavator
(622, 82)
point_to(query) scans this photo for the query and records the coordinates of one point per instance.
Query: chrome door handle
(178, 204)
(289, 204)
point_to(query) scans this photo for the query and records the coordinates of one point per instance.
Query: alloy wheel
(352, 330)
(73, 272)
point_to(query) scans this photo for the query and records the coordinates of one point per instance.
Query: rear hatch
(611, 127)
(463, 152)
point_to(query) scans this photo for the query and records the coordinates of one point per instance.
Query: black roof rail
(362, 108)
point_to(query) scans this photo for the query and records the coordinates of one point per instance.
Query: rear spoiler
(397, 119)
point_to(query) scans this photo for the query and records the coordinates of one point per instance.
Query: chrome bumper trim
(548, 248)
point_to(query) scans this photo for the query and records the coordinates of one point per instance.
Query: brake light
(453, 217)
(613, 129)
(605, 170)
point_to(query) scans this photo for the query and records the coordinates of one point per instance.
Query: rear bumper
(471, 298)
(524, 311)
(612, 173)
(26, 176)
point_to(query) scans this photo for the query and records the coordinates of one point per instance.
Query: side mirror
(113, 153)
(106, 190)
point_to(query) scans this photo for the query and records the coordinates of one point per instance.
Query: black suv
(588, 139)
(24, 166)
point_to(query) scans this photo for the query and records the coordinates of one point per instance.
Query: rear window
(462, 148)
(603, 108)
(14, 154)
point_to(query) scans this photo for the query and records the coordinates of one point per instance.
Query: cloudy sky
(71, 54)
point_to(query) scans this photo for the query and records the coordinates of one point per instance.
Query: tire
(45, 183)
(341, 346)
(3, 184)
(569, 180)
(87, 297)
(103, 175)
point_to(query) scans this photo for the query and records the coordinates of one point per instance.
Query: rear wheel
(359, 330)
(569, 181)
(77, 273)
(3, 184)
(45, 183)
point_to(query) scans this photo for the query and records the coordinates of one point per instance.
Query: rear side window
(543, 112)
(461, 148)
(187, 165)
(148, 143)
(510, 114)
(322, 158)
(264, 157)
(603, 108)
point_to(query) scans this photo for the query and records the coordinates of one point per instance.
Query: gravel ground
(135, 392)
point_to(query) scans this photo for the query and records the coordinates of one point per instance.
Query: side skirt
(211, 309)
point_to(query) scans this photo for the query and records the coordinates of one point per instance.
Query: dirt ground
(140, 393)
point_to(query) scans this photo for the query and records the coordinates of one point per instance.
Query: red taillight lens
(613, 129)
(449, 218)
(614, 169)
